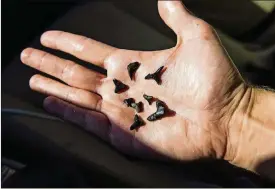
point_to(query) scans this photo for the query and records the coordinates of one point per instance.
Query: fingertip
(174, 14)
(47, 37)
(25, 54)
(34, 81)
(54, 105)
(167, 5)
(171, 7)
(47, 103)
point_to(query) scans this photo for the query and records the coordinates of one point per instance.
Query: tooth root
(158, 80)
(139, 107)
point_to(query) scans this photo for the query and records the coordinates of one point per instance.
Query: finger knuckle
(43, 57)
(81, 44)
(98, 104)
(204, 30)
(98, 82)
(65, 70)
(69, 94)
(58, 36)
(112, 57)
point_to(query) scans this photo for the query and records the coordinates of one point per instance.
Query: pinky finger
(91, 121)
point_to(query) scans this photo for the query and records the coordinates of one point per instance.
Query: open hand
(199, 84)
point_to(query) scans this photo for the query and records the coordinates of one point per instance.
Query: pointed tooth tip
(136, 117)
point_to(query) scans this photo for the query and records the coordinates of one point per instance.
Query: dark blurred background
(246, 28)
(22, 20)
(249, 22)
(244, 20)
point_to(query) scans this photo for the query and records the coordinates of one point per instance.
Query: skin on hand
(252, 130)
(200, 83)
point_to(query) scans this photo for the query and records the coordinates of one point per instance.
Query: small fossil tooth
(129, 101)
(159, 113)
(132, 68)
(137, 123)
(148, 98)
(137, 106)
(119, 86)
(155, 76)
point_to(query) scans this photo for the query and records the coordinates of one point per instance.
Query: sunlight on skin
(199, 83)
(170, 6)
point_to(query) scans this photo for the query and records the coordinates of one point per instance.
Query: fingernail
(45, 38)
(25, 54)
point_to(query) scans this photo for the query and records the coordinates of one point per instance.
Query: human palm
(198, 84)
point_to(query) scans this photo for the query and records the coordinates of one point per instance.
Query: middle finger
(68, 71)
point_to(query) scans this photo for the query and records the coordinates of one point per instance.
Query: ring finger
(73, 95)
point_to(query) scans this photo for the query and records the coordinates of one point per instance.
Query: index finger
(79, 46)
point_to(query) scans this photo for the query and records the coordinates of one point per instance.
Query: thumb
(174, 14)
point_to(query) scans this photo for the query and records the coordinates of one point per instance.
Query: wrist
(251, 131)
(238, 110)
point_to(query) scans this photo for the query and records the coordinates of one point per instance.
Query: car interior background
(38, 150)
